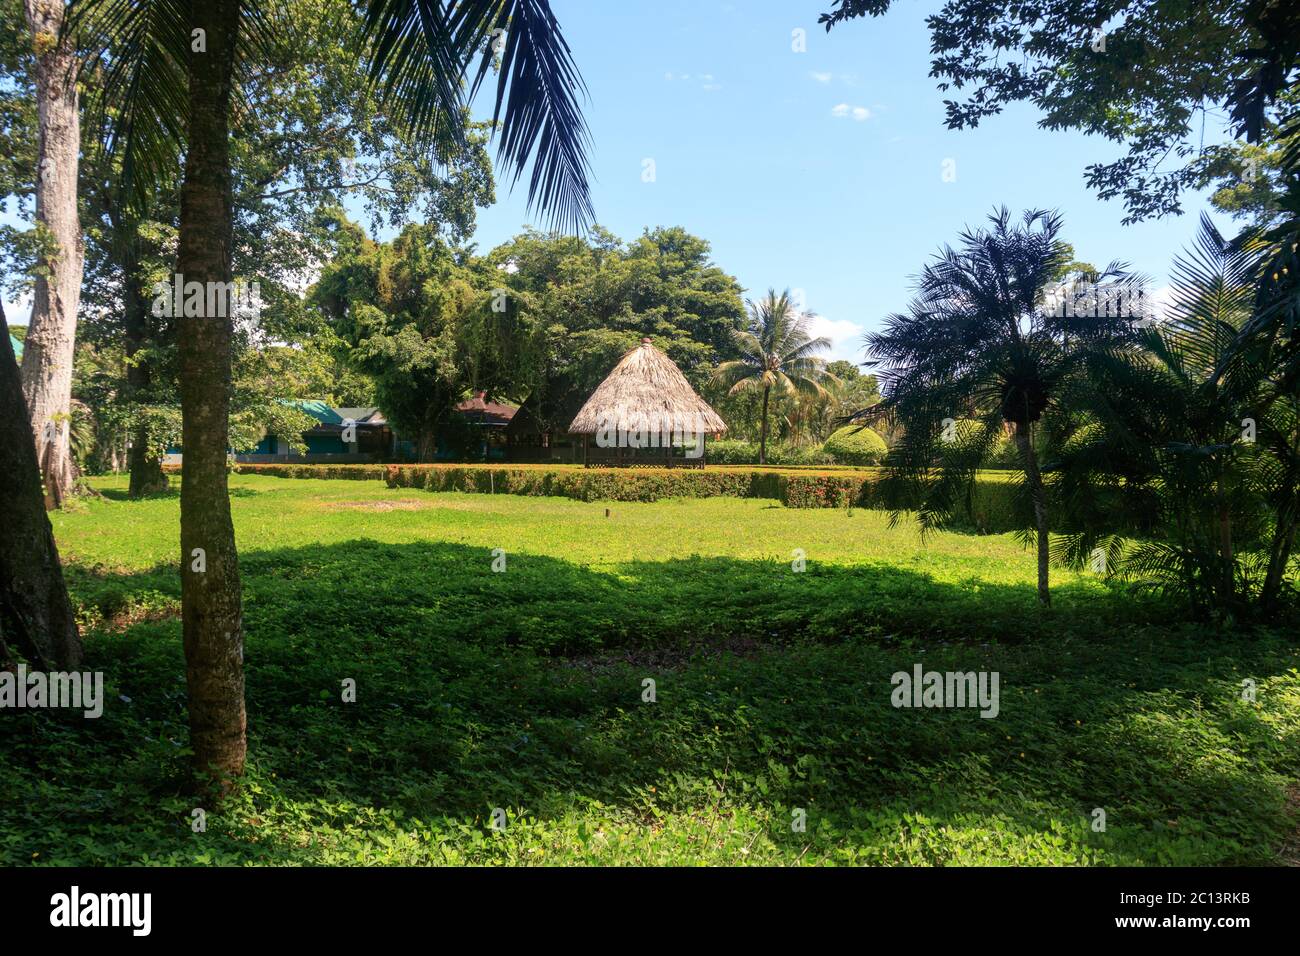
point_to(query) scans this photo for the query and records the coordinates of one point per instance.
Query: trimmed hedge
(589, 484)
(992, 502)
(992, 508)
(352, 472)
(282, 470)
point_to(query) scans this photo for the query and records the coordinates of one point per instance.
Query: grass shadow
(525, 687)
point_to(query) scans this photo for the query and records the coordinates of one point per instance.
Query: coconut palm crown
(776, 353)
(981, 346)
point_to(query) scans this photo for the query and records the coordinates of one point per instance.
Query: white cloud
(844, 110)
(20, 312)
(845, 336)
(821, 77)
(705, 80)
(1161, 299)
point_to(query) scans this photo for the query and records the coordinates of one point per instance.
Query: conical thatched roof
(646, 392)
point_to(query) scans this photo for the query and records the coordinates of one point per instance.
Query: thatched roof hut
(647, 396)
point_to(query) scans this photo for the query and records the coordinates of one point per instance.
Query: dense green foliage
(522, 690)
(541, 318)
(777, 357)
(591, 299)
(418, 316)
(729, 451)
(1193, 443)
(856, 445)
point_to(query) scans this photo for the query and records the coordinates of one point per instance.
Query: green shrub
(588, 484)
(826, 490)
(856, 445)
(992, 507)
(1003, 455)
(735, 452)
(279, 470)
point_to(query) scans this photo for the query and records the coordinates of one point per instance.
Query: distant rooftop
(328, 415)
(483, 412)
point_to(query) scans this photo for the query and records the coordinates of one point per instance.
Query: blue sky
(820, 171)
(751, 153)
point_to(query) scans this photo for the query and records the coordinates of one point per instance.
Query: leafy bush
(992, 508)
(825, 490)
(735, 452)
(353, 472)
(1003, 455)
(856, 445)
(589, 484)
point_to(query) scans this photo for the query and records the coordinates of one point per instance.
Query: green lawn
(522, 690)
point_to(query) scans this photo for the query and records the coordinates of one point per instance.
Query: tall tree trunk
(147, 476)
(49, 346)
(762, 429)
(1038, 495)
(146, 469)
(426, 445)
(210, 595)
(36, 616)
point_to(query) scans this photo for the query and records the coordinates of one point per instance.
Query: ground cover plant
(522, 690)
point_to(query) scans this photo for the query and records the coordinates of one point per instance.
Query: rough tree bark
(762, 429)
(36, 617)
(49, 346)
(210, 595)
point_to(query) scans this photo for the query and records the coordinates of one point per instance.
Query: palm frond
(423, 49)
(141, 104)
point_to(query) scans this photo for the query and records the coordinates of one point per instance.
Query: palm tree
(979, 344)
(175, 69)
(1191, 442)
(1272, 340)
(775, 353)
